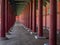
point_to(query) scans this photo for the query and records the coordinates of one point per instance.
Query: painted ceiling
(19, 5)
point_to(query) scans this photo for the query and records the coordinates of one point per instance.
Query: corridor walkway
(20, 36)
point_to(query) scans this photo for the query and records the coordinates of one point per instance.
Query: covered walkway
(17, 37)
(29, 22)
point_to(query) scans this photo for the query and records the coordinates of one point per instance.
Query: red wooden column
(2, 33)
(59, 14)
(28, 15)
(53, 23)
(31, 15)
(46, 17)
(40, 18)
(9, 15)
(25, 22)
(6, 15)
(34, 17)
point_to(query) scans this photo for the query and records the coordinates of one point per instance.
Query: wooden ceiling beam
(20, 1)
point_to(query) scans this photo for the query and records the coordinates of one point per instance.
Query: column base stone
(39, 37)
(45, 43)
(29, 30)
(33, 33)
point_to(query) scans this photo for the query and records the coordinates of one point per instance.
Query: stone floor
(20, 36)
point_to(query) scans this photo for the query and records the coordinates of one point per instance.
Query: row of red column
(7, 18)
(27, 16)
(53, 19)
